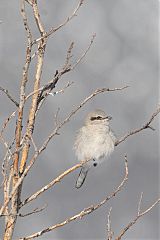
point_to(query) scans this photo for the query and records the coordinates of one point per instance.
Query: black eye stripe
(96, 118)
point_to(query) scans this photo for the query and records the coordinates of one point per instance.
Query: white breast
(94, 142)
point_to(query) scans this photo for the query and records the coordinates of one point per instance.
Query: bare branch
(53, 30)
(47, 88)
(8, 154)
(84, 212)
(34, 145)
(139, 204)
(34, 104)
(145, 126)
(56, 116)
(9, 96)
(23, 85)
(51, 184)
(61, 90)
(68, 57)
(139, 215)
(6, 122)
(36, 210)
(84, 54)
(109, 229)
(25, 22)
(38, 19)
(50, 93)
(5, 162)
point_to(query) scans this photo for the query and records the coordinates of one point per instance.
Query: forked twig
(53, 30)
(145, 126)
(139, 215)
(45, 90)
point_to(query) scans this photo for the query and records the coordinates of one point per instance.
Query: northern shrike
(94, 141)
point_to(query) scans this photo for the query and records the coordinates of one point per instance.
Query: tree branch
(53, 30)
(36, 210)
(47, 88)
(85, 211)
(51, 184)
(109, 229)
(145, 126)
(9, 96)
(139, 215)
(84, 54)
(23, 85)
(33, 108)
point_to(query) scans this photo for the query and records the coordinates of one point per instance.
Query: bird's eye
(99, 117)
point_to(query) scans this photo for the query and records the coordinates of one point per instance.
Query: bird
(94, 142)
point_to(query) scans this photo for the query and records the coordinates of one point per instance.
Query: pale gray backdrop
(125, 52)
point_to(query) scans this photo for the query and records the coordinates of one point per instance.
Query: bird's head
(97, 117)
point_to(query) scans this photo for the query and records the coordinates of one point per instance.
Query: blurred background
(125, 52)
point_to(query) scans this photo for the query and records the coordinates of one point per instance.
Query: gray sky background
(125, 52)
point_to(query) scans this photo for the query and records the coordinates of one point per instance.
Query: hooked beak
(109, 118)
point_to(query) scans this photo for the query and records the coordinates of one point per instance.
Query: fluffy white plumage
(95, 141)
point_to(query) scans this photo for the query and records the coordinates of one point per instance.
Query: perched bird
(94, 142)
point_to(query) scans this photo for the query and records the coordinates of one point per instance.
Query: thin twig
(139, 215)
(61, 90)
(47, 88)
(139, 203)
(68, 57)
(56, 116)
(6, 122)
(109, 229)
(85, 211)
(9, 96)
(34, 145)
(36, 210)
(53, 94)
(66, 68)
(84, 54)
(145, 126)
(53, 30)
